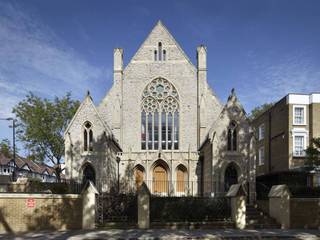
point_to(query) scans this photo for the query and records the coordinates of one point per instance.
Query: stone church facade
(160, 123)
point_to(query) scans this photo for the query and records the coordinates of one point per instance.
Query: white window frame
(260, 137)
(299, 132)
(304, 114)
(260, 159)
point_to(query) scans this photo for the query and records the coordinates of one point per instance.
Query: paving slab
(159, 234)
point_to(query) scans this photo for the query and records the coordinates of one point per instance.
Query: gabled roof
(27, 164)
(231, 102)
(160, 25)
(88, 100)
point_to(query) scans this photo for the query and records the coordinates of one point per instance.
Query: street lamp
(118, 161)
(14, 144)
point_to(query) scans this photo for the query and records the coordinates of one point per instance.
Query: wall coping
(236, 190)
(305, 199)
(278, 191)
(37, 195)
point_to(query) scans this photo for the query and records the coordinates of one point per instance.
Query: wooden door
(160, 181)
(180, 180)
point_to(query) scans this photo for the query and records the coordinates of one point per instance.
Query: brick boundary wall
(21, 212)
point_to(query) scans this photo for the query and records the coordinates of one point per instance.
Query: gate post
(238, 205)
(89, 205)
(143, 207)
(279, 204)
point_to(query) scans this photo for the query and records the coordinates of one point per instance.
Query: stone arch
(88, 173)
(139, 174)
(160, 110)
(181, 178)
(160, 177)
(223, 168)
(231, 174)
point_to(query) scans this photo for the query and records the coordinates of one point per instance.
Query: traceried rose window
(160, 116)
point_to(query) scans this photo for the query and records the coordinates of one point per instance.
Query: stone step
(260, 221)
(256, 219)
(263, 226)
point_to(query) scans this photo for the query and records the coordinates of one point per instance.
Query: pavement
(150, 234)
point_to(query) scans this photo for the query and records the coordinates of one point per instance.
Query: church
(162, 124)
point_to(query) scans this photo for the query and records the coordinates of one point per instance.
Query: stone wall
(305, 213)
(32, 212)
(292, 212)
(104, 154)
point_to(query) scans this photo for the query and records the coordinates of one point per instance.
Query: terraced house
(25, 168)
(160, 123)
(283, 133)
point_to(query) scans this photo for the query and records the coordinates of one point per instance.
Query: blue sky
(264, 49)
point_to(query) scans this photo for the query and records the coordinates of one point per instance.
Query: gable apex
(159, 34)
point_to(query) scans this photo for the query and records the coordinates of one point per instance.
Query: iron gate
(116, 208)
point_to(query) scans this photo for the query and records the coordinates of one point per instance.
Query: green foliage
(35, 185)
(181, 209)
(313, 153)
(41, 125)
(259, 110)
(5, 148)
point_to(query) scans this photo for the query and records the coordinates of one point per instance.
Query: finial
(233, 91)
(88, 93)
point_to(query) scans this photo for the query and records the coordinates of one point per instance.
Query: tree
(5, 148)
(313, 154)
(41, 125)
(259, 110)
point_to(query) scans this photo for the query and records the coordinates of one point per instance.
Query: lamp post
(118, 161)
(14, 145)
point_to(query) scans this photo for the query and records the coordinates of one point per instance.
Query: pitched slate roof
(21, 162)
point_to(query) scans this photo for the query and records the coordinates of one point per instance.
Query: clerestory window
(160, 116)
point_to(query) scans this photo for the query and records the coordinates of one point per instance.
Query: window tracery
(160, 116)
(87, 137)
(232, 136)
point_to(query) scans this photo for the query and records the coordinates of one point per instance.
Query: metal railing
(175, 188)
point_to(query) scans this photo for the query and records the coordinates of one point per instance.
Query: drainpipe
(269, 136)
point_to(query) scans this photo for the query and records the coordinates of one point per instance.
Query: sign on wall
(30, 202)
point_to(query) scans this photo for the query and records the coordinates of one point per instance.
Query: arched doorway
(160, 179)
(139, 175)
(88, 174)
(181, 184)
(230, 176)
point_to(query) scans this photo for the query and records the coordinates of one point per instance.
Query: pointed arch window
(160, 54)
(160, 51)
(160, 116)
(232, 137)
(87, 137)
(155, 55)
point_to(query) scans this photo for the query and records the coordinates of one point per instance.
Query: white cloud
(32, 58)
(271, 78)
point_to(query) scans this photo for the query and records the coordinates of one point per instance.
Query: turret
(201, 84)
(117, 65)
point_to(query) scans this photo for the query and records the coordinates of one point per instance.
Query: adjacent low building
(25, 168)
(283, 132)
